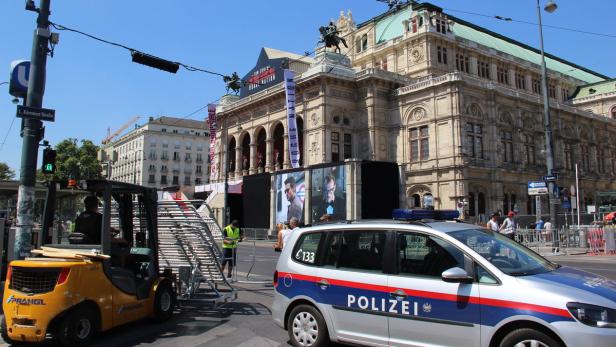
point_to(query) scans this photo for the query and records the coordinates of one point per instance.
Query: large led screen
(290, 195)
(328, 201)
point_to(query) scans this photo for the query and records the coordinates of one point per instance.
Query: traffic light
(49, 161)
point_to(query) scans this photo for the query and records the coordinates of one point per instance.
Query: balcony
(188, 160)
(164, 158)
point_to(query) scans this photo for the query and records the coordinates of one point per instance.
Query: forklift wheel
(164, 302)
(78, 327)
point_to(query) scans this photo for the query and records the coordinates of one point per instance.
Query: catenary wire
(7, 134)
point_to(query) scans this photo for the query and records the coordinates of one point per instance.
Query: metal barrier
(257, 234)
(565, 240)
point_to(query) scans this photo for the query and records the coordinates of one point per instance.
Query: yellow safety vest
(233, 234)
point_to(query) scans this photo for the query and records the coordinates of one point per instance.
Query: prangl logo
(24, 301)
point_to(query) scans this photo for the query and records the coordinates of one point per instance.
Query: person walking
(493, 223)
(509, 226)
(285, 234)
(232, 234)
(547, 229)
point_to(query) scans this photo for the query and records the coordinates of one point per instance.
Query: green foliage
(5, 172)
(79, 162)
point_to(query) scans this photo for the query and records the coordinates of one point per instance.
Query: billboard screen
(290, 195)
(328, 198)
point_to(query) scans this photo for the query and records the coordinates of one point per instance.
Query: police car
(430, 280)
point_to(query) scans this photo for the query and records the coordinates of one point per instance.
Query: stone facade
(463, 120)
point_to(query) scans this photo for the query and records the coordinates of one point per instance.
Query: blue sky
(93, 86)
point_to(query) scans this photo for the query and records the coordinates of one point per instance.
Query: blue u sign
(20, 74)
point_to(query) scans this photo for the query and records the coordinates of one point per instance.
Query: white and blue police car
(430, 281)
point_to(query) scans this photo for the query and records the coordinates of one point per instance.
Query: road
(247, 321)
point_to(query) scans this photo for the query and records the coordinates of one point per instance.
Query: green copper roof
(391, 26)
(596, 89)
(470, 33)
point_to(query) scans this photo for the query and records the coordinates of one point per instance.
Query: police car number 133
(304, 256)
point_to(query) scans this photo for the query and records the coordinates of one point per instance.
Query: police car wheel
(527, 338)
(78, 327)
(307, 327)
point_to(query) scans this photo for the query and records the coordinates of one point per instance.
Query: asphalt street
(247, 321)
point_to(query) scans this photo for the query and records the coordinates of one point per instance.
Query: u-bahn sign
(20, 74)
(537, 188)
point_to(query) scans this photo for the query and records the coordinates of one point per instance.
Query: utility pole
(32, 130)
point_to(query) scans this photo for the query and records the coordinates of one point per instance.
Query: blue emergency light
(410, 215)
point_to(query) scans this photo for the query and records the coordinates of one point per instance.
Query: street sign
(36, 113)
(550, 178)
(555, 201)
(537, 188)
(20, 74)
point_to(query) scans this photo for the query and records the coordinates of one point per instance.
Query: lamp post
(547, 126)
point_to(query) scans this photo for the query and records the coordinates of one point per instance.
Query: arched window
(471, 204)
(481, 203)
(613, 112)
(364, 42)
(415, 201)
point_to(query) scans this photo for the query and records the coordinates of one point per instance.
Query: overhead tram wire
(7, 134)
(509, 19)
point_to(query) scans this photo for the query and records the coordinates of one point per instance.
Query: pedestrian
(284, 234)
(509, 226)
(539, 224)
(232, 234)
(493, 222)
(547, 229)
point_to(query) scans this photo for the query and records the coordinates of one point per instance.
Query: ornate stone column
(253, 158)
(269, 155)
(238, 161)
(286, 161)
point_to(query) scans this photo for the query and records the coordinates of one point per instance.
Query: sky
(94, 86)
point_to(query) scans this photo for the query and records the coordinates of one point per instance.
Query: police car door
(430, 311)
(354, 286)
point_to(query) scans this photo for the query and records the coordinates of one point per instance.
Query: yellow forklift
(77, 286)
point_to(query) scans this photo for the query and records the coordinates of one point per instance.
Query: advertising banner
(211, 117)
(328, 198)
(289, 84)
(290, 194)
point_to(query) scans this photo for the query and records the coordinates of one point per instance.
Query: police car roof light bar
(414, 215)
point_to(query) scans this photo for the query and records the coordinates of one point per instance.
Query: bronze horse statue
(233, 82)
(330, 36)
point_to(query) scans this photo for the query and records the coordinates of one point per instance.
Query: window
(507, 143)
(568, 151)
(441, 26)
(163, 168)
(335, 146)
(502, 73)
(483, 69)
(474, 137)
(197, 181)
(306, 248)
(152, 168)
(152, 179)
(362, 250)
(176, 180)
(529, 149)
(176, 156)
(164, 130)
(164, 156)
(348, 146)
(585, 158)
(552, 91)
(423, 255)
(188, 146)
(536, 85)
(186, 180)
(332, 248)
(177, 145)
(420, 140)
(564, 94)
(198, 169)
(187, 156)
(441, 54)
(152, 154)
(462, 63)
(175, 131)
(163, 179)
(600, 152)
(613, 112)
(199, 158)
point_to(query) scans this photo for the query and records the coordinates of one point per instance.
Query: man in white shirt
(285, 234)
(493, 223)
(509, 226)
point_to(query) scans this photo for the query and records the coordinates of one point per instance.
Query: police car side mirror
(456, 275)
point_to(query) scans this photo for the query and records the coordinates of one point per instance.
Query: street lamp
(547, 123)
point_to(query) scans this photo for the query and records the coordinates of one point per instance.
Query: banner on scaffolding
(211, 117)
(289, 84)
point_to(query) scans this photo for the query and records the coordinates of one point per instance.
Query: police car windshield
(509, 256)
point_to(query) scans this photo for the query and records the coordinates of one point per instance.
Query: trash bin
(583, 238)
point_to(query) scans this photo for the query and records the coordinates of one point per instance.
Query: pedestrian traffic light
(49, 161)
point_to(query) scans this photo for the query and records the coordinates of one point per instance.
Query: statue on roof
(330, 35)
(393, 4)
(233, 82)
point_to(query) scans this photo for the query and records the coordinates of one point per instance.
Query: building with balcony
(457, 107)
(164, 152)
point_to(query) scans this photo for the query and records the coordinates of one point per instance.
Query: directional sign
(550, 178)
(36, 113)
(20, 74)
(537, 188)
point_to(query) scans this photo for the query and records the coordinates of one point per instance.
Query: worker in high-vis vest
(232, 234)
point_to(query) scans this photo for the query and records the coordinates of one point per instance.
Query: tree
(5, 172)
(73, 161)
